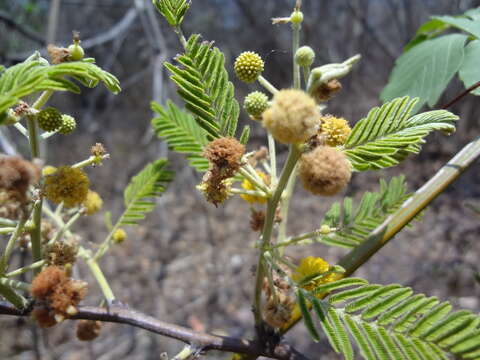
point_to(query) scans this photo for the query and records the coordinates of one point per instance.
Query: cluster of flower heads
(225, 158)
(292, 116)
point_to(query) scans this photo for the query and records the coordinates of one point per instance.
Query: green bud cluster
(49, 119)
(255, 103)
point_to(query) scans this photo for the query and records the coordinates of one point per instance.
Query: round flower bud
(49, 119)
(296, 17)
(88, 330)
(68, 125)
(119, 236)
(67, 184)
(256, 103)
(304, 56)
(92, 203)
(76, 52)
(248, 66)
(48, 170)
(293, 117)
(324, 171)
(336, 130)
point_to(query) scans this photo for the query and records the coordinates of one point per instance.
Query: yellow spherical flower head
(247, 185)
(248, 66)
(92, 203)
(119, 236)
(336, 130)
(68, 185)
(293, 117)
(310, 268)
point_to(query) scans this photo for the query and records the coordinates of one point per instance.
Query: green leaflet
(390, 322)
(203, 84)
(181, 132)
(143, 188)
(425, 70)
(389, 134)
(470, 71)
(35, 75)
(172, 10)
(355, 223)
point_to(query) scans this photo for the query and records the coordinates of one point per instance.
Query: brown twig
(461, 95)
(203, 341)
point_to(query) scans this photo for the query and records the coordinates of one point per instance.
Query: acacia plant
(39, 204)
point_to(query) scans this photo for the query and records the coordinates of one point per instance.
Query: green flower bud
(49, 119)
(76, 52)
(255, 103)
(296, 17)
(68, 125)
(304, 56)
(248, 66)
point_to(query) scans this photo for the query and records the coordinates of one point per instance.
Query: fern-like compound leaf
(140, 194)
(181, 132)
(389, 134)
(390, 322)
(355, 223)
(172, 10)
(203, 84)
(35, 74)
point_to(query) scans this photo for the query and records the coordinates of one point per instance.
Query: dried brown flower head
(57, 54)
(326, 91)
(53, 289)
(61, 253)
(88, 330)
(225, 154)
(17, 174)
(324, 171)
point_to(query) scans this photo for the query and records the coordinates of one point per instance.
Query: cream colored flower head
(293, 117)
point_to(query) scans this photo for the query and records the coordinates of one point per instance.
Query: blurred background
(189, 262)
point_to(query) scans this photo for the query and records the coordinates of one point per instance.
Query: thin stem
(90, 161)
(21, 129)
(48, 134)
(267, 85)
(178, 30)
(273, 159)
(42, 99)
(258, 183)
(293, 156)
(297, 239)
(36, 233)
(249, 192)
(11, 245)
(33, 137)
(11, 295)
(306, 73)
(101, 280)
(185, 353)
(25, 269)
(461, 95)
(295, 44)
(7, 230)
(65, 227)
(282, 229)
(7, 222)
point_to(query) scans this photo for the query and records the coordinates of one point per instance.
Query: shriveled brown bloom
(327, 91)
(257, 219)
(61, 253)
(57, 54)
(45, 317)
(324, 171)
(225, 153)
(17, 174)
(88, 330)
(54, 290)
(278, 311)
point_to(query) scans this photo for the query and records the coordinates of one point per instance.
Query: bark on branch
(203, 341)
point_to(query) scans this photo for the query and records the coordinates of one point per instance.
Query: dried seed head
(61, 253)
(88, 330)
(324, 171)
(58, 54)
(327, 91)
(17, 174)
(225, 153)
(293, 117)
